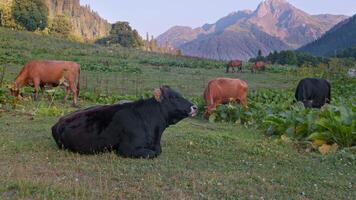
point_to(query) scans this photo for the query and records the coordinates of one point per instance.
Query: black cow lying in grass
(132, 129)
(313, 92)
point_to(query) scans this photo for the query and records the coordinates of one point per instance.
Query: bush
(337, 124)
(61, 25)
(297, 123)
(122, 33)
(31, 14)
(6, 19)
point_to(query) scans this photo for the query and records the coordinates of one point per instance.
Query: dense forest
(342, 36)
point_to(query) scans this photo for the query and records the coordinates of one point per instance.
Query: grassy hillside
(200, 160)
(120, 70)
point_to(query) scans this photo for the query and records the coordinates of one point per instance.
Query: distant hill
(342, 36)
(86, 23)
(274, 25)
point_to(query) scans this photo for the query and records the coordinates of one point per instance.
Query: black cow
(313, 92)
(132, 129)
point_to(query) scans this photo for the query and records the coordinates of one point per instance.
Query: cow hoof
(75, 106)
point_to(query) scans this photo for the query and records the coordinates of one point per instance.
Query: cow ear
(157, 95)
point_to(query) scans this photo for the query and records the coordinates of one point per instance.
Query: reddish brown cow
(224, 90)
(38, 73)
(259, 65)
(234, 64)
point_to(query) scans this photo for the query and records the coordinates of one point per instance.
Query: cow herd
(134, 129)
(258, 65)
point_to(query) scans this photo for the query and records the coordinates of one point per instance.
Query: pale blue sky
(156, 16)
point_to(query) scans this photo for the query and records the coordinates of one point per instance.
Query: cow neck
(167, 117)
(153, 105)
(164, 114)
(19, 82)
(20, 79)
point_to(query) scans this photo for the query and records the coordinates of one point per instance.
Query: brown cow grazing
(38, 73)
(259, 65)
(224, 90)
(234, 64)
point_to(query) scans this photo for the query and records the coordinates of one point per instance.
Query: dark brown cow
(38, 73)
(234, 64)
(259, 65)
(224, 90)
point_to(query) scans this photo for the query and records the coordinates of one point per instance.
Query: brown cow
(259, 65)
(234, 64)
(39, 73)
(224, 90)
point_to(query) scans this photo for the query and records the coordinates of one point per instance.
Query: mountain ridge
(341, 36)
(275, 21)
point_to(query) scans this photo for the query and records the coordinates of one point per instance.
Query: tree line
(290, 57)
(33, 15)
(124, 35)
(347, 53)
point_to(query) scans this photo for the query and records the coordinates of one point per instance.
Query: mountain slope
(231, 44)
(86, 23)
(342, 36)
(274, 25)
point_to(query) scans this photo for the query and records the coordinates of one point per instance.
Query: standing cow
(234, 64)
(133, 129)
(224, 90)
(313, 92)
(39, 73)
(259, 65)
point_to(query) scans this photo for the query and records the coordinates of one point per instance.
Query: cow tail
(78, 83)
(207, 96)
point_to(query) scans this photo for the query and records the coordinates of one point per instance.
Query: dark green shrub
(31, 14)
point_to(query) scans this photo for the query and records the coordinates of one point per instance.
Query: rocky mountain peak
(273, 7)
(274, 25)
(86, 23)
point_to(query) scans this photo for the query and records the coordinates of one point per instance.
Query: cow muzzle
(193, 111)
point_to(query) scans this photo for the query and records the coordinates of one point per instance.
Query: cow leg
(144, 153)
(73, 88)
(36, 84)
(209, 110)
(243, 101)
(67, 91)
(42, 89)
(138, 153)
(158, 149)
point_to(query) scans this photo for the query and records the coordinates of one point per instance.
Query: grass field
(191, 82)
(200, 160)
